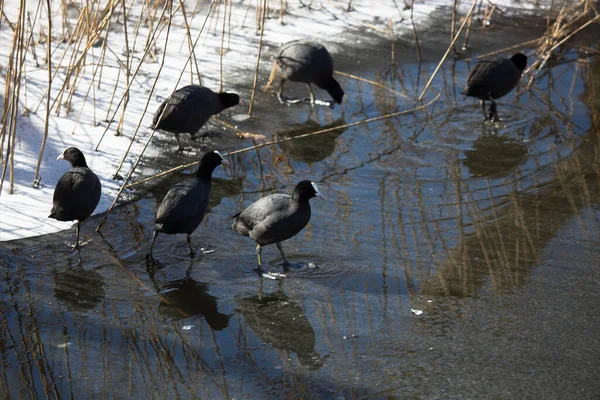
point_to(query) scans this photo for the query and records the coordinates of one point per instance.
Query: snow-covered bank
(24, 213)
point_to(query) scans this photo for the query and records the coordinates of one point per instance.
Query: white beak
(317, 192)
(61, 157)
(223, 160)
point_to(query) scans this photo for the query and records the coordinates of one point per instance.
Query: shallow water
(452, 259)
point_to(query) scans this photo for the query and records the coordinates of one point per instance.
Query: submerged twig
(379, 85)
(287, 139)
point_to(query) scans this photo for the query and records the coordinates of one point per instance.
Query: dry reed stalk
(154, 37)
(162, 63)
(81, 67)
(558, 35)
(36, 177)
(190, 43)
(128, 62)
(8, 104)
(5, 17)
(103, 53)
(485, 13)
(59, 65)
(151, 18)
(393, 41)
(379, 85)
(15, 94)
(447, 51)
(139, 24)
(255, 82)
(146, 107)
(91, 85)
(112, 98)
(488, 17)
(412, 20)
(229, 25)
(32, 42)
(282, 11)
(65, 19)
(72, 66)
(241, 133)
(222, 45)
(270, 143)
(76, 65)
(210, 8)
(453, 22)
(549, 16)
(467, 33)
(375, 28)
(505, 49)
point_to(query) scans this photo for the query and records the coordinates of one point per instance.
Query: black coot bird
(308, 62)
(492, 79)
(188, 109)
(185, 204)
(277, 217)
(77, 192)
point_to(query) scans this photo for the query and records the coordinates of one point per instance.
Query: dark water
(455, 260)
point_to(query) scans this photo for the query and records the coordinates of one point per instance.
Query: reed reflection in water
(432, 212)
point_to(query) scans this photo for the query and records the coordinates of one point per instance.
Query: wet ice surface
(452, 259)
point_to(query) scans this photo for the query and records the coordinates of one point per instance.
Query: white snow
(24, 213)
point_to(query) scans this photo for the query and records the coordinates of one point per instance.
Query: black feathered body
(187, 110)
(273, 219)
(184, 207)
(306, 61)
(492, 79)
(76, 195)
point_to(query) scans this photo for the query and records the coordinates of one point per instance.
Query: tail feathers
(158, 116)
(465, 91)
(272, 76)
(55, 213)
(239, 226)
(59, 215)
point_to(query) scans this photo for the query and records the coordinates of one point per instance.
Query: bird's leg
(282, 99)
(76, 245)
(312, 96)
(180, 147)
(286, 262)
(495, 110)
(314, 101)
(483, 109)
(189, 240)
(258, 251)
(280, 91)
(493, 113)
(154, 236)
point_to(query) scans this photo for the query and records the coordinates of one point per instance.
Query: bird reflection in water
(186, 297)
(78, 289)
(280, 322)
(315, 148)
(494, 155)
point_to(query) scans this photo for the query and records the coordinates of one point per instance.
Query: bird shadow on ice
(183, 298)
(280, 322)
